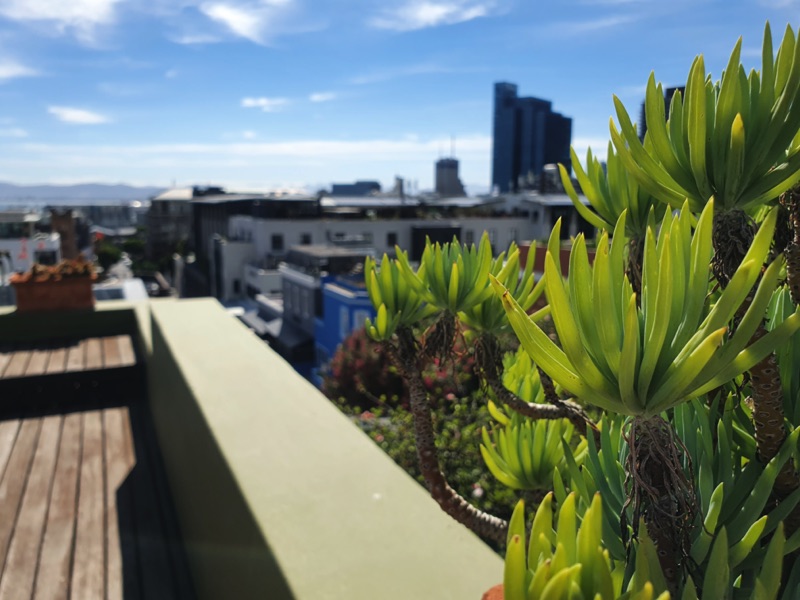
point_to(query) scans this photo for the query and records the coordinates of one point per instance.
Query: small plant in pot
(64, 286)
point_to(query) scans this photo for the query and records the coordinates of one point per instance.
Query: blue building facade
(346, 306)
(527, 135)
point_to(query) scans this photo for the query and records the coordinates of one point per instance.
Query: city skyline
(261, 94)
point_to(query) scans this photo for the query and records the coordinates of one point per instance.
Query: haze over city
(300, 93)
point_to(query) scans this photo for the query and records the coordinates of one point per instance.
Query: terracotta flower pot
(495, 593)
(67, 293)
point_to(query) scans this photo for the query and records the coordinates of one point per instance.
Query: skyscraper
(448, 183)
(527, 135)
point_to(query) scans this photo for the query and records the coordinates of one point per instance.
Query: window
(305, 239)
(344, 322)
(391, 239)
(469, 236)
(237, 287)
(277, 242)
(45, 257)
(535, 216)
(359, 317)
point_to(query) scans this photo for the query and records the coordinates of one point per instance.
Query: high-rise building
(527, 136)
(448, 183)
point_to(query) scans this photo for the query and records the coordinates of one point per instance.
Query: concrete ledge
(280, 496)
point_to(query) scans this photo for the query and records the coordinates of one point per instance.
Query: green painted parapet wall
(279, 496)
(107, 318)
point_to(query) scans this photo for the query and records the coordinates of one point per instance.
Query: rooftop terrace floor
(85, 511)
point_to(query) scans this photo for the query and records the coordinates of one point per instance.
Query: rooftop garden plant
(656, 405)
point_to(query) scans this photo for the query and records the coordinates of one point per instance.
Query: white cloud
(322, 96)
(170, 74)
(13, 132)
(265, 104)
(256, 20)
(80, 16)
(375, 149)
(241, 21)
(260, 164)
(77, 116)
(419, 14)
(249, 135)
(10, 69)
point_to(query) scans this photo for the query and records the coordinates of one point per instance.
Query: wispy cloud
(13, 132)
(10, 69)
(374, 149)
(192, 39)
(265, 104)
(81, 17)
(323, 96)
(420, 14)
(576, 28)
(77, 116)
(407, 71)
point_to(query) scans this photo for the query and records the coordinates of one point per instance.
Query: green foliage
(611, 192)
(396, 302)
(669, 491)
(451, 277)
(458, 424)
(521, 453)
(108, 255)
(569, 562)
(732, 140)
(644, 359)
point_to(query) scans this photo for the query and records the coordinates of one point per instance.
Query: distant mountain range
(71, 194)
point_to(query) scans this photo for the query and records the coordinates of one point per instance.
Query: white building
(21, 244)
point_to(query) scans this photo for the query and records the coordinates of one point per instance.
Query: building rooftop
(186, 193)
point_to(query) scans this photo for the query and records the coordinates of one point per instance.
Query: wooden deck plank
(14, 479)
(53, 577)
(94, 354)
(22, 561)
(76, 358)
(5, 357)
(58, 360)
(37, 365)
(127, 352)
(120, 545)
(17, 365)
(8, 434)
(88, 572)
(111, 354)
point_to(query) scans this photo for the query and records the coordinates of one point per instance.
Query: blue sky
(258, 94)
